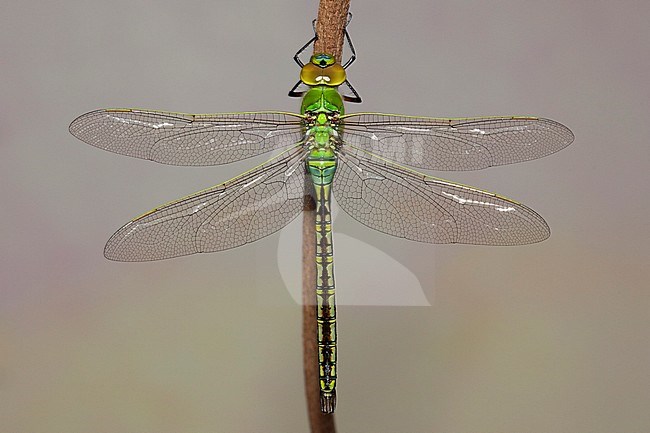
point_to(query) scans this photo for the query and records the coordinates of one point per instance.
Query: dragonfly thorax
(322, 131)
(322, 99)
(321, 139)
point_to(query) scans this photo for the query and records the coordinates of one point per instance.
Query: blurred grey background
(551, 337)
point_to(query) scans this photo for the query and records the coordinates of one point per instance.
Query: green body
(322, 105)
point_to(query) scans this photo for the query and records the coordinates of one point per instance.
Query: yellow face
(322, 70)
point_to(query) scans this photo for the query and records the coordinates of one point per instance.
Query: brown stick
(332, 17)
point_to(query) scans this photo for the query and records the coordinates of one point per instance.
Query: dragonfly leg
(293, 93)
(356, 98)
(353, 56)
(296, 57)
(353, 53)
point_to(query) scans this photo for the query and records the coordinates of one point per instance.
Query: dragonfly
(366, 160)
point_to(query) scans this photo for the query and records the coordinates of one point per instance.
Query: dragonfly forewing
(239, 211)
(404, 203)
(455, 144)
(188, 139)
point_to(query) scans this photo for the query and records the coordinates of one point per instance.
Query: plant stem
(332, 17)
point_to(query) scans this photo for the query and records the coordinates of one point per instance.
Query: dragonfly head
(321, 70)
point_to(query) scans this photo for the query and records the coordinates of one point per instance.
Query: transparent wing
(188, 139)
(239, 211)
(455, 144)
(411, 205)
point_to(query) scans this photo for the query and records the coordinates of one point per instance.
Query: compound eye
(331, 76)
(309, 74)
(336, 74)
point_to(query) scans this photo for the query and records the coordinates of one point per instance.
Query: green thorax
(322, 99)
(323, 105)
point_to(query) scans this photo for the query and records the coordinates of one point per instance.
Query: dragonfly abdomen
(322, 172)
